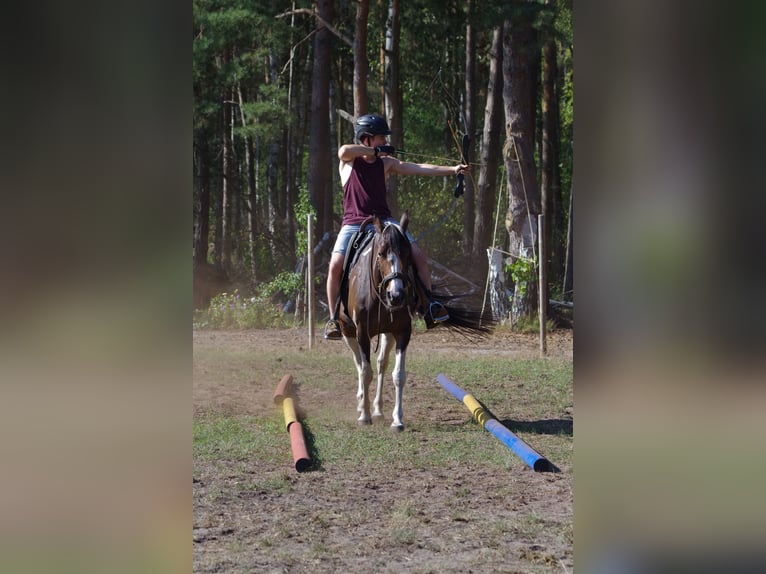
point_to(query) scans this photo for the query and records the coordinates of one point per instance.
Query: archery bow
(460, 186)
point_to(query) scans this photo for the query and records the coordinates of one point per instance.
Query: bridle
(382, 286)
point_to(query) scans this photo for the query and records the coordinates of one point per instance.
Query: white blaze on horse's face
(389, 267)
(395, 287)
(393, 275)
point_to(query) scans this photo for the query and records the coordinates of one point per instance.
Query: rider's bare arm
(393, 165)
(349, 152)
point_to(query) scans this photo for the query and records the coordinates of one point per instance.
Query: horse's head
(393, 261)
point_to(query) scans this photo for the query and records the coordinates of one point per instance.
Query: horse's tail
(468, 320)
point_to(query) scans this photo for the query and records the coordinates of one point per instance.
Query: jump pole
(283, 389)
(301, 457)
(537, 462)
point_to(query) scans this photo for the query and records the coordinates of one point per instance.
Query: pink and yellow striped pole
(283, 389)
(301, 457)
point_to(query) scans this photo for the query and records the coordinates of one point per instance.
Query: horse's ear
(405, 219)
(377, 223)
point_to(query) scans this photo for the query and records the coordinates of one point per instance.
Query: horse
(380, 295)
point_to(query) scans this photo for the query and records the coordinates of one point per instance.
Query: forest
(278, 85)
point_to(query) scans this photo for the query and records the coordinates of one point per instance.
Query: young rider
(364, 168)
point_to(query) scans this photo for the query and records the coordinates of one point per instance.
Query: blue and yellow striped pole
(536, 461)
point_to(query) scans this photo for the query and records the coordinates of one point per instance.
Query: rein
(380, 287)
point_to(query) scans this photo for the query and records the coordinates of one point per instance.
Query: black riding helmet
(371, 125)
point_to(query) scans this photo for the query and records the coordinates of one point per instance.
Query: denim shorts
(347, 231)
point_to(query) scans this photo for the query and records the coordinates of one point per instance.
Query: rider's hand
(386, 149)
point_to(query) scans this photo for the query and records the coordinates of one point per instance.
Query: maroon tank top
(365, 192)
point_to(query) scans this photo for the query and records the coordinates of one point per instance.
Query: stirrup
(437, 312)
(332, 330)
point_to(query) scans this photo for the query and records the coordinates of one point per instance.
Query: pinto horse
(380, 296)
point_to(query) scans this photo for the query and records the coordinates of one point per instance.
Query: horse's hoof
(377, 416)
(397, 428)
(363, 423)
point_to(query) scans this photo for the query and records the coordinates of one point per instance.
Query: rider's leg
(334, 276)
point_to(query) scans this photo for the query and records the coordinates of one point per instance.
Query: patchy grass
(441, 496)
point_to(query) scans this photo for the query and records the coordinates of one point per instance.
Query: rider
(364, 168)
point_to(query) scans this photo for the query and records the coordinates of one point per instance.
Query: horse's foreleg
(364, 372)
(386, 344)
(400, 376)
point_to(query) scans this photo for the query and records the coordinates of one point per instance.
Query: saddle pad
(356, 245)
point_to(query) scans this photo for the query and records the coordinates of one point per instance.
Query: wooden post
(542, 287)
(310, 279)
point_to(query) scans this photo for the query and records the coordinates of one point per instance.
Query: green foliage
(232, 311)
(522, 271)
(566, 111)
(531, 324)
(286, 283)
(564, 29)
(240, 46)
(556, 291)
(267, 115)
(233, 43)
(235, 311)
(302, 209)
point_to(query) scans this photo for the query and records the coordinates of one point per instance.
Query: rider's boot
(332, 330)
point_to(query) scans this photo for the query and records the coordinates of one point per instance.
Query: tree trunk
(393, 99)
(361, 65)
(287, 210)
(226, 185)
(218, 229)
(292, 149)
(237, 245)
(202, 236)
(272, 168)
(470, 128)
(523, 193)
(250, 197)
(497, 293)
(487, 182)
(271, 190)
(252, 219)
(318, 176)
(549, 180)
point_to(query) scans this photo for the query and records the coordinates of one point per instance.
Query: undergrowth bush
(531, 324)
(235, 311)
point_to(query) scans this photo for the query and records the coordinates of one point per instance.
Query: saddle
(356, 245)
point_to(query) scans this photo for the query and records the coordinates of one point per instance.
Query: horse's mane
(398, 241)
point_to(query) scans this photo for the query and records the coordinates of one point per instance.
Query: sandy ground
(457, 518)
